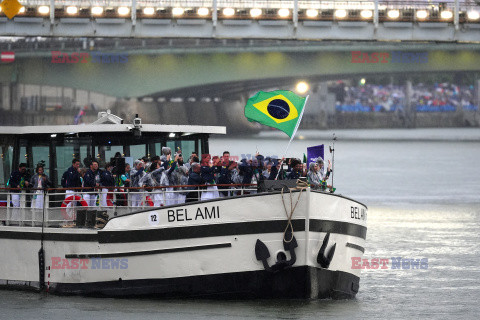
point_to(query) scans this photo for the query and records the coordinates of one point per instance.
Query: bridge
(444, 20)
(179, 61)
(221, 67)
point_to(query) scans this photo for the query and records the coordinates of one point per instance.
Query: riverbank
(419, 134)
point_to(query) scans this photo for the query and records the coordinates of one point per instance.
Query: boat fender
(41, 268)
(67, 201)
(323, 260)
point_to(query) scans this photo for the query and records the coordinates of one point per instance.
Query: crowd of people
(389, 98)
(168, 179)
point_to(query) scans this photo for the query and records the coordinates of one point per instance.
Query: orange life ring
(110, 199)
(67, 201)
(149, 201)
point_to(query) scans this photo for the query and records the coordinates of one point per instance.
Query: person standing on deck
(195, 179)
(18, 179)
(39, 181)
(108, 183)
(70, 180)
(91, 180)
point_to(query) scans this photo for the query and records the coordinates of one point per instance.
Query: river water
(423, 193)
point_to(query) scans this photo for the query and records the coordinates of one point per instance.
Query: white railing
(59, 207)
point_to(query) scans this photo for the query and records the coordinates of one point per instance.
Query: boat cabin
(56, 146)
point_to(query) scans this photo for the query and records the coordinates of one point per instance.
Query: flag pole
(293, 135)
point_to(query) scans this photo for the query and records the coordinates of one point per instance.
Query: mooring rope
(292, 210)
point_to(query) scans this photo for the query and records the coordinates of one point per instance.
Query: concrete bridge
(206, 81)
(445, 20)
(227, 65)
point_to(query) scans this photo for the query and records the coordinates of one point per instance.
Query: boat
(283, 240)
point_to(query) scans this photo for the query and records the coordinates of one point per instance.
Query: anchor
(323, 260)
(262, 253)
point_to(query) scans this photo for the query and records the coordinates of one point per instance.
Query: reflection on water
(424, 202)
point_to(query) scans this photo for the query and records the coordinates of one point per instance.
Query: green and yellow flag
(279, 109)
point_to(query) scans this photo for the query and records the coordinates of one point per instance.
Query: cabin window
(171, 145)
(187, 146)
(41, 154)
(138, 151)
(65, 155)
(72, 148)
(105, 153)
(23, 155)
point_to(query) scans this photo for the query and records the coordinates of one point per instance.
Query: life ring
(149, 201)
(67, 201)
(110, 199)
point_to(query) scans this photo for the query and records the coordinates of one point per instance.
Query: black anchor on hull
(323, 260)
(262, 253)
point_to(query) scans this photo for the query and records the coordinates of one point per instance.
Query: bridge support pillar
(410, 107)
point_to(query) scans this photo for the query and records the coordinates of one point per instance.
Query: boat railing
(58, 207)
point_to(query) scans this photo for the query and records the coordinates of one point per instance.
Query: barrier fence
(58, 207)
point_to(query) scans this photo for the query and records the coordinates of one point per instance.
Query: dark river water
(423, 195)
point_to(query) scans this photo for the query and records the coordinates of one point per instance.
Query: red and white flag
(7, 56)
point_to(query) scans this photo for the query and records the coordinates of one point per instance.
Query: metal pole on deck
(333, 157)
(41, 252)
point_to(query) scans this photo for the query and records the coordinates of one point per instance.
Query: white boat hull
(199, 249)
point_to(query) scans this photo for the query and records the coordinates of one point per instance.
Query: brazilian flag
(279, 109)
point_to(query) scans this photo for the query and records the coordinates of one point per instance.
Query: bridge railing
(60, 207)
(163, 8)
(216, 18)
